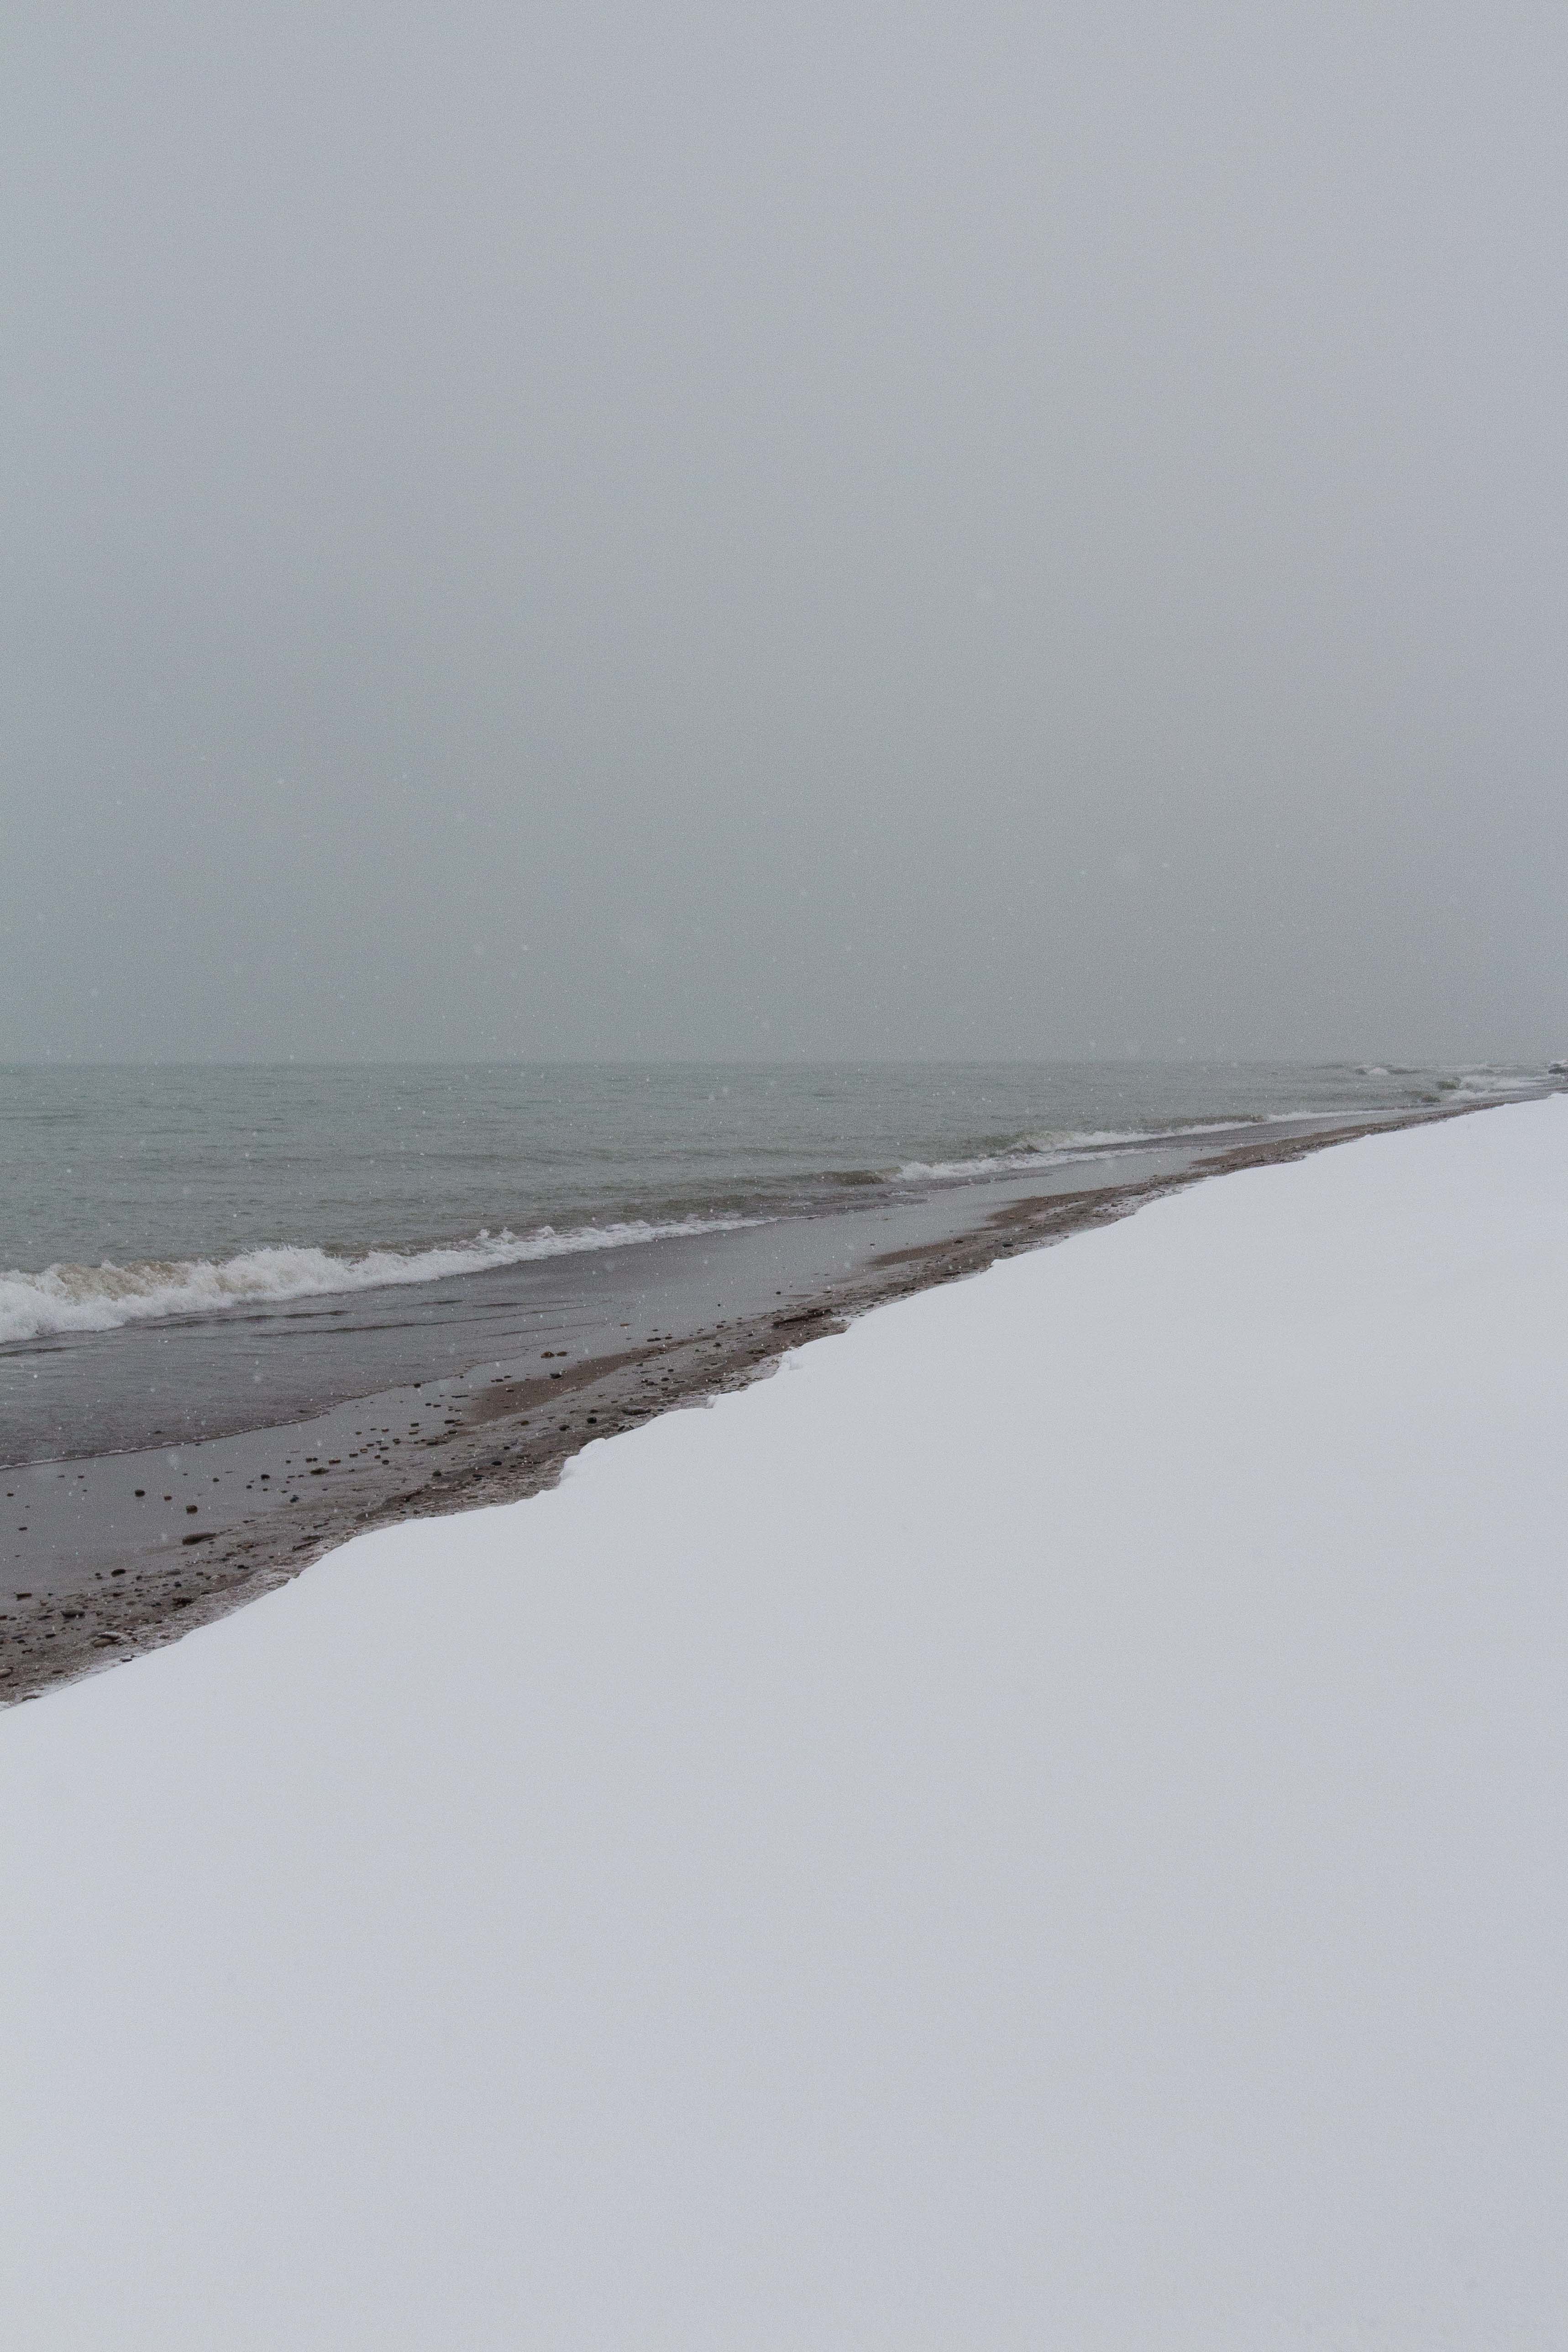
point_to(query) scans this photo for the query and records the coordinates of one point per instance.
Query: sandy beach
(1041, 1822)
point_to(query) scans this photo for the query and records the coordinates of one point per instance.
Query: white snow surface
(1044, 1824)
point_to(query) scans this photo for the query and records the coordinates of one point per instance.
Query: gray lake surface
(191, 1251)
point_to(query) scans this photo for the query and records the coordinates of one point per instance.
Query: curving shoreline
(1076, 1765)
(120, 1561)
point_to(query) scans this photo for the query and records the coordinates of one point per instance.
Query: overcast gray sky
(718, 530)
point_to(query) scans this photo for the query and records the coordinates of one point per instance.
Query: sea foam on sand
(1046, 1824)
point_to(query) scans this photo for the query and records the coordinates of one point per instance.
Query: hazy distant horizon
(605, 533)
(1389, 1064)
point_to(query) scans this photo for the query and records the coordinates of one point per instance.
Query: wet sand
(117, 1551)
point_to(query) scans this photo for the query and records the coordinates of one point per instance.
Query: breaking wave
(1027, 1153)
(1484, 1082)
(1032, 1152)
(65, 1298)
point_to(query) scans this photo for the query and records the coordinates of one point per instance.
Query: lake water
(142, 1195)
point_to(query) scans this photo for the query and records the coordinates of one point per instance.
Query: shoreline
(1088, 1745)
(116, 1599)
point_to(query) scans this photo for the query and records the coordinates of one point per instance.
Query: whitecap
(65, 1298)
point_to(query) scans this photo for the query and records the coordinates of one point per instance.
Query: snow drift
(1042, 1825)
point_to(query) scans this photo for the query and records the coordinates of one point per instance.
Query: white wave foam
(1036, 1151)
(66, 1298)
(1029, 1152)
(1489, 1082)
(1054, 1151)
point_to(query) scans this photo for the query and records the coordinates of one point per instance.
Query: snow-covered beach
(1041, 1824)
